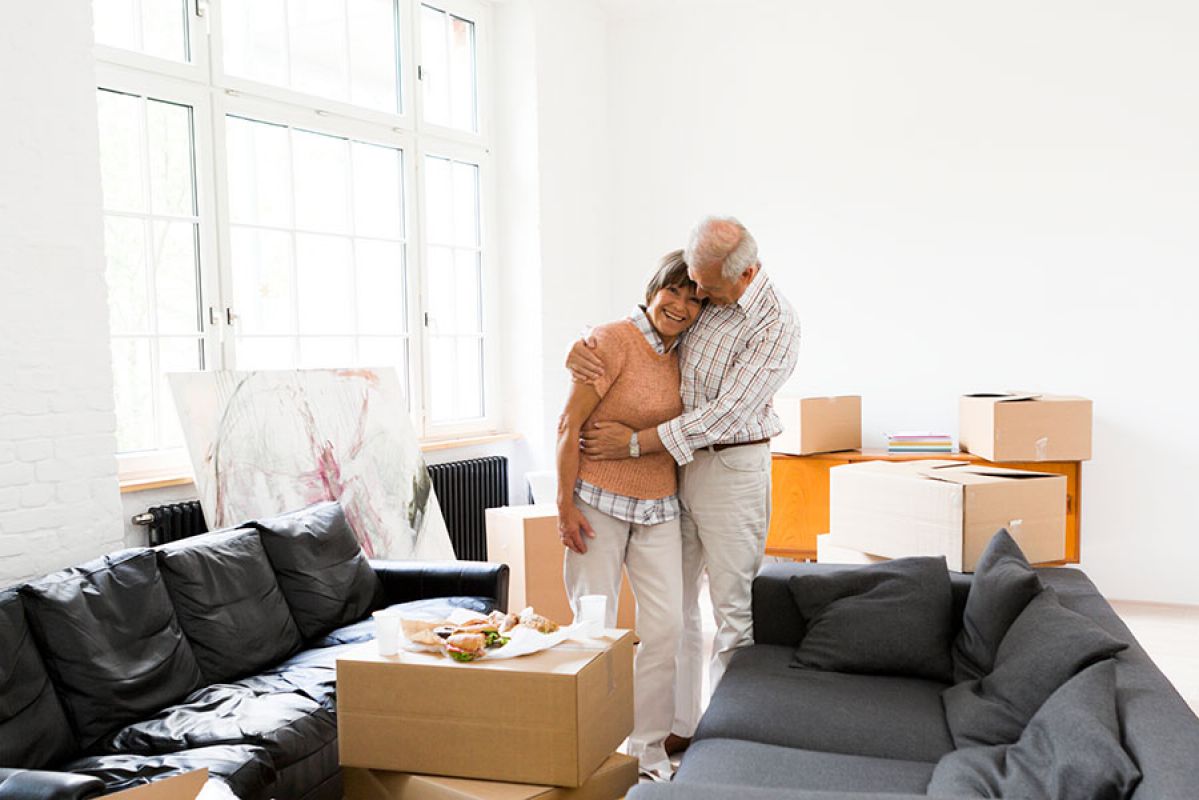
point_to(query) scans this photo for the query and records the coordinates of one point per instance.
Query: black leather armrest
(29, 784)
(403, 581)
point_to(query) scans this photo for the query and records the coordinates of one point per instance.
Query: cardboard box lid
(618, 769)
(568, 658)
(535, 511)
(1015, 397)
(177, 787)
(965, 474)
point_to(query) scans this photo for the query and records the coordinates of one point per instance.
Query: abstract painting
(266, 442)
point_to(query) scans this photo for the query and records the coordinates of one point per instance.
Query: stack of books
(908, 442)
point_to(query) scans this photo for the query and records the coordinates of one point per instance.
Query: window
(273, 200)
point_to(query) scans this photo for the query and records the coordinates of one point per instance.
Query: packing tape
(1013, 526)
(1041, 447)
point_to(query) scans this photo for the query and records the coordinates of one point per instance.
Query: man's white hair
(723, 240)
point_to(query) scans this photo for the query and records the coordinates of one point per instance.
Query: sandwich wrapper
(522, 640)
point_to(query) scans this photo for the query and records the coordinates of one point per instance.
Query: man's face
(710, 284)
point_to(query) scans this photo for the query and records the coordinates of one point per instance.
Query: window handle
(212, 315)
(229, 315)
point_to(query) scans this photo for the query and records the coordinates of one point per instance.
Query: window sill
(168, 478)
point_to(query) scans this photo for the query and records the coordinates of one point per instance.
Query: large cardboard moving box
(614, 777)
(949, 508)
(550, 718)
(831, 550)
(1025, 427)
(186, 786)
(526, 539)
(818, 424)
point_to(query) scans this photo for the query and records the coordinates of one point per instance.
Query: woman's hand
(573, 528)
(584, 365)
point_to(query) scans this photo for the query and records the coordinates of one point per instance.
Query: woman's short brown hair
(672, 271)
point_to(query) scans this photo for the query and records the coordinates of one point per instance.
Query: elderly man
(742, 349)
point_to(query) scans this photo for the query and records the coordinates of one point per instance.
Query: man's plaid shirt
(732, 362)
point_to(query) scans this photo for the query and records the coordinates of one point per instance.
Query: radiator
(173, 521)
(464, 490)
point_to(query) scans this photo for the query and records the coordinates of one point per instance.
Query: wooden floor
(1170, 634)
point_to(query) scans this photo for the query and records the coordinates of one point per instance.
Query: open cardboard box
(551, 718)
(949, 508)
(177, 787)
(614, 777)
(1025, 427)
(818, 424)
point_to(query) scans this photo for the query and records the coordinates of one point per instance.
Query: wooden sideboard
(799, 495)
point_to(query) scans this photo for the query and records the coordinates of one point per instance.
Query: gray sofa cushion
(1004, 584)
(761, 699)
(753, 764)
(228, 603)
(892, 618)
(111, 641)
(34, 732)
(1069, 751)
(1046, 646)
(325, 576)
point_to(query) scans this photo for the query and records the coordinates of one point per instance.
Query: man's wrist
(634, 446)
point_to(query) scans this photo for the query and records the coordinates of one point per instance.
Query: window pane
(321, 181)
(176, 277)
(326, 351)
(324, 284)
(174, 355)
(122, 151)
(456, 378)
(378, 196)
(265, 352)
(133, 387)
(172, 188)
(439, 200)
(319, 61)
(466, 204)
(380, 279)
(259, 170)
(439, 277)
(263, 291)
(470, 378)
(255, 39)
(155, 27)
(448, 82)
(126, 275)
(386, 351)
(441, 379)
(373, 74)
(467, 296)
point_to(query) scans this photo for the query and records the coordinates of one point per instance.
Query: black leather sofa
(217, 651)
(772, 732)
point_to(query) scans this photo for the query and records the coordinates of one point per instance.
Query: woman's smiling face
(673, 310)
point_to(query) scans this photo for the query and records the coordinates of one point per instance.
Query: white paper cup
(593, 613)
(387, 632)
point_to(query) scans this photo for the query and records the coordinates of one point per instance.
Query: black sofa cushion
(760, 698)
(1004, 583)
(768, 766)
(245, 769)
(1069, 751)
(111, 642)
(228, 603)
(1045, 647)
(892, 618)
(325, 576)
(34, 732)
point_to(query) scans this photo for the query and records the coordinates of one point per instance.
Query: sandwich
(537, 622)
(422, 632)
(466, 646)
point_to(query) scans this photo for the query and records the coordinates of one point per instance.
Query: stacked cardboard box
(1025, 427)
(818, 424)
(516, 727)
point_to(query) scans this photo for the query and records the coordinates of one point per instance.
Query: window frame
(212, 94)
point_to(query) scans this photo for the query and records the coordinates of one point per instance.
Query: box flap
(966, 474)
(177, 787)
(1004, 397)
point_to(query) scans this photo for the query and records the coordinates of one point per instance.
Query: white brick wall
(58, 481)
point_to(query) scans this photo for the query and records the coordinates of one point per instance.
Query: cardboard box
(1025, 427)
(614, 777)
(949, 508)
(550, 718)
(177, 787)
(526, 539)
(830, 550)
(818, 424)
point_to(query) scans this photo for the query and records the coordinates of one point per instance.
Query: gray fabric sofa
(772, 731)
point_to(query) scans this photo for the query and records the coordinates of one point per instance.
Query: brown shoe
(676, 744)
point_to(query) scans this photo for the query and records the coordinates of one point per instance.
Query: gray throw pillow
(892, 618)
(1003, 585)
(1046, 646)
(1070, 750)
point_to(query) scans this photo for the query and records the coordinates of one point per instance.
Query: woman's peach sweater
(639, 388)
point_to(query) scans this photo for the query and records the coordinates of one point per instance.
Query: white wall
(58, 484)
(955, 196)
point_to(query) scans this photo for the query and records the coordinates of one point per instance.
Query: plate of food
(467, 636)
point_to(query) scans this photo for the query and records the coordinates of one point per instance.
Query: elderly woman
(615, 515)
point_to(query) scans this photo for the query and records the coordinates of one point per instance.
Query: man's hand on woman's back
(584, 365)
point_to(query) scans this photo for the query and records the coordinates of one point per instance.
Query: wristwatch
(634, 447)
